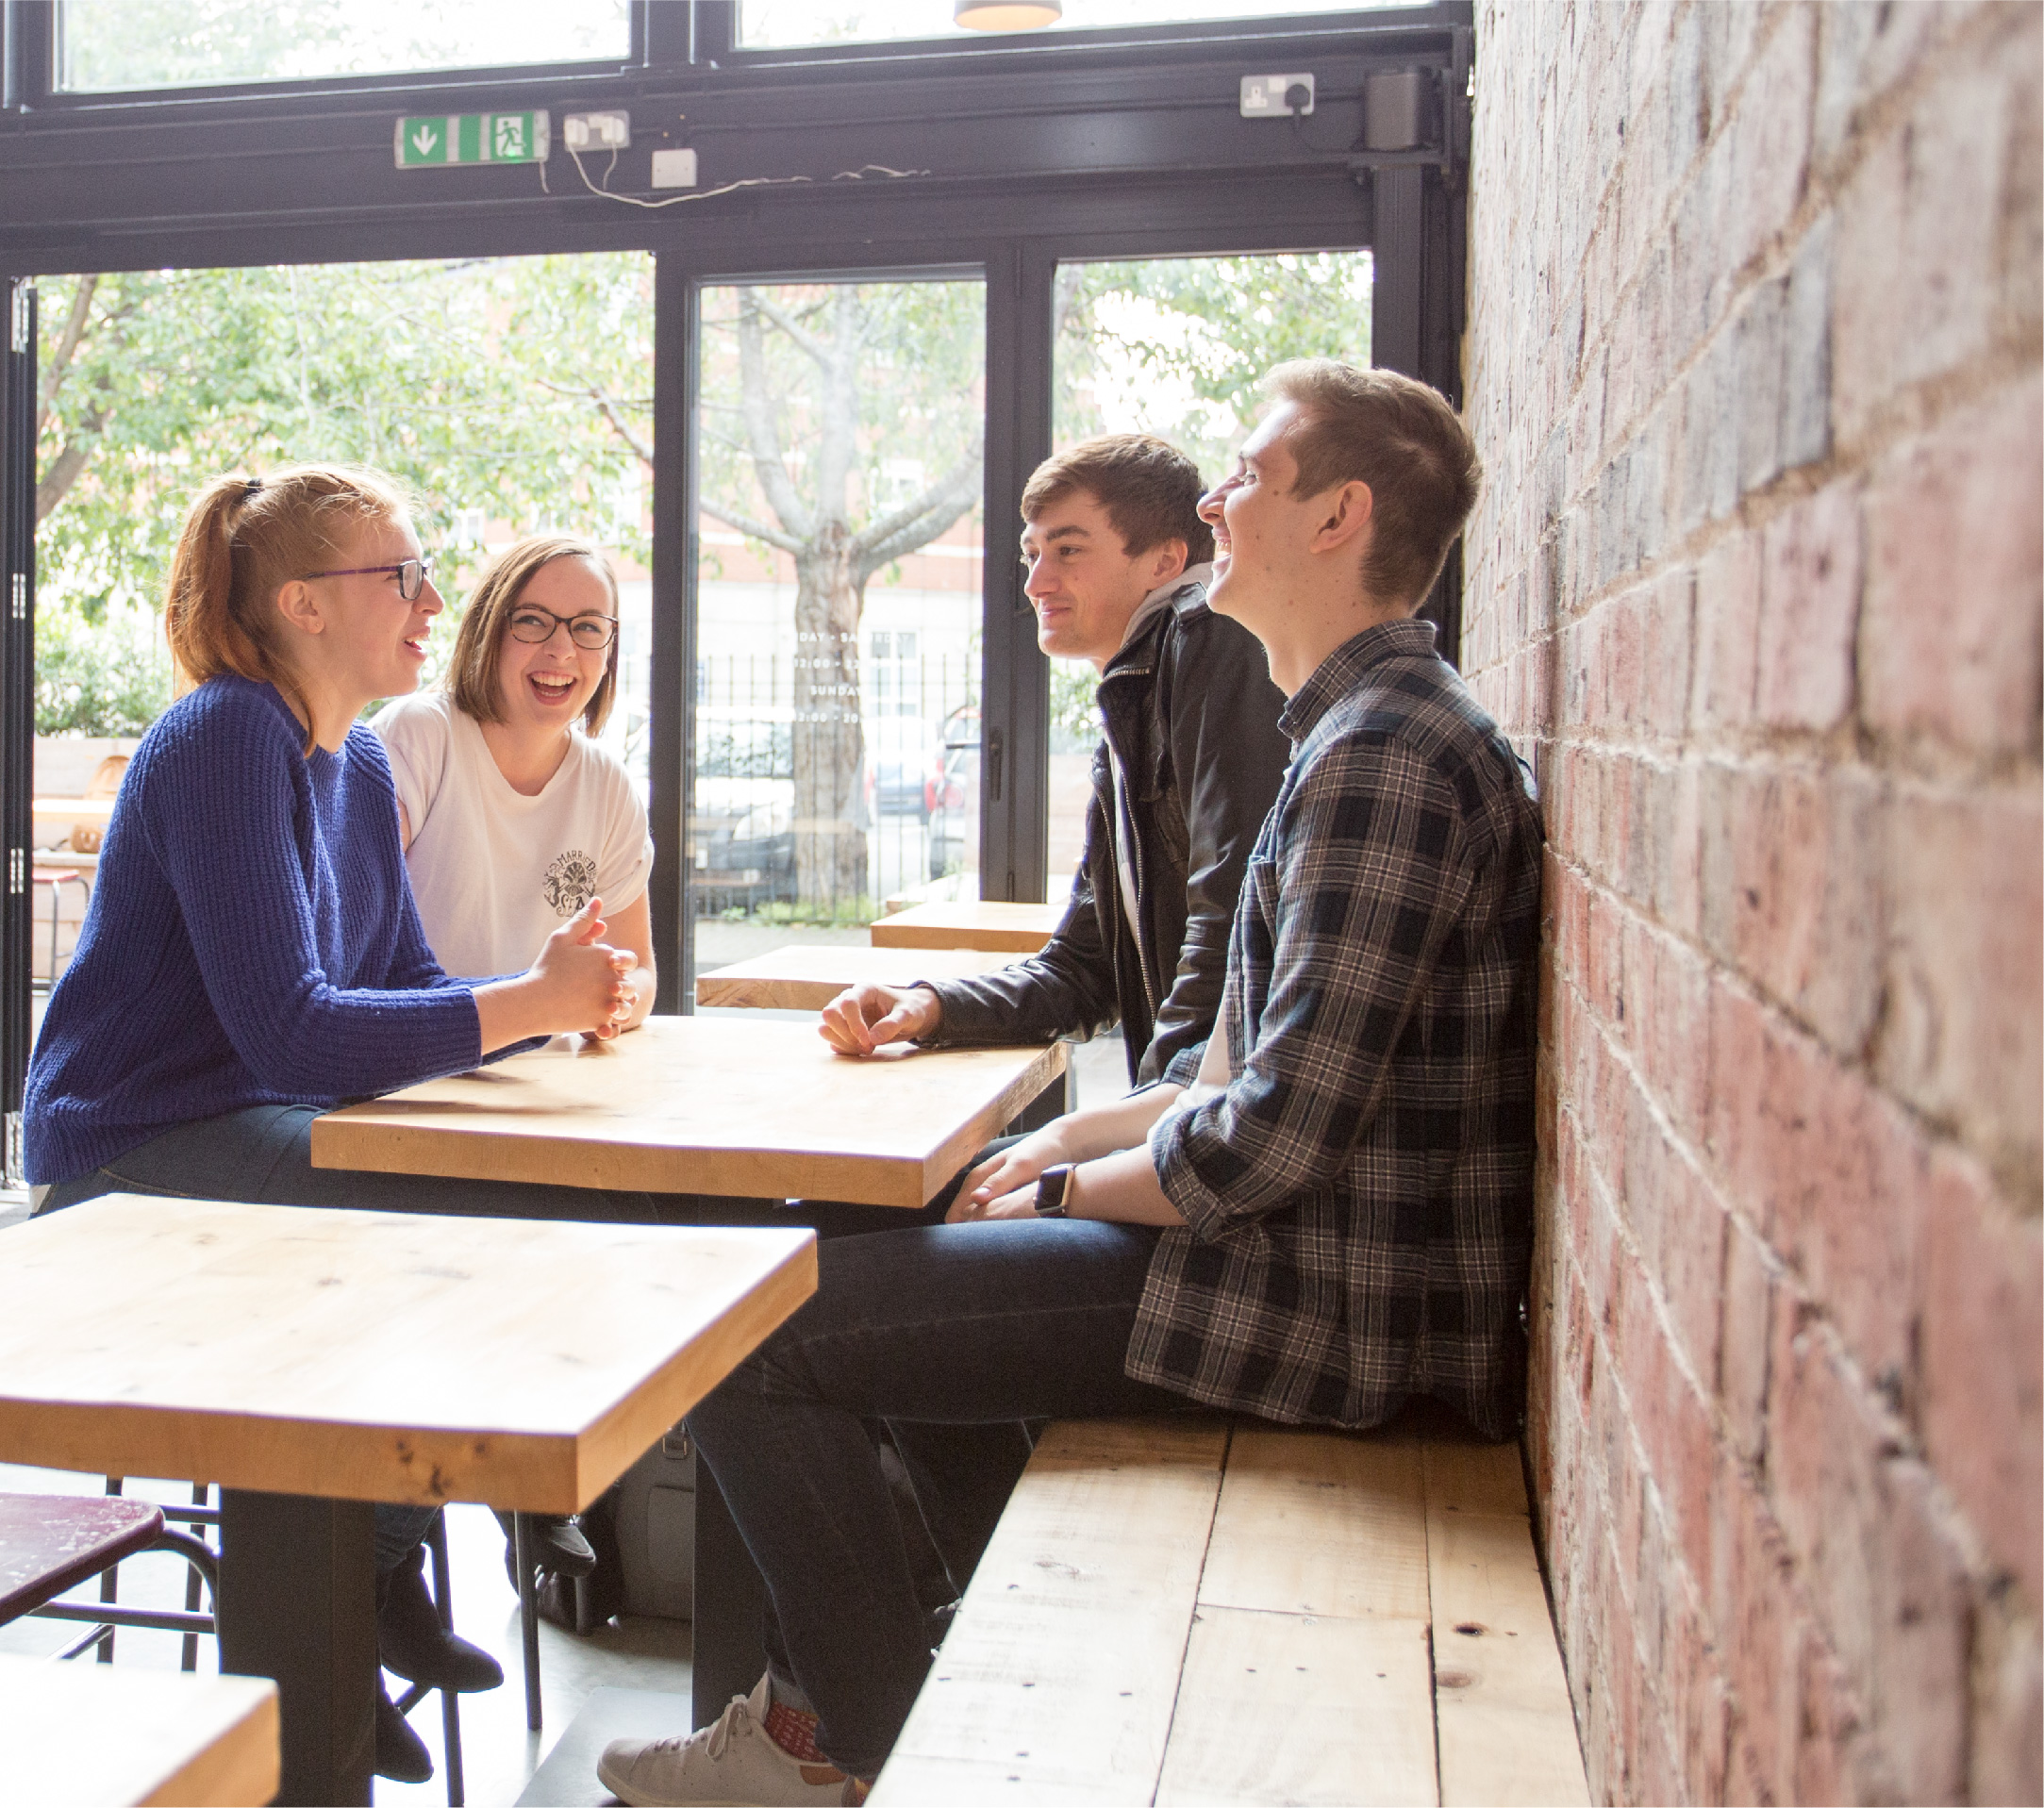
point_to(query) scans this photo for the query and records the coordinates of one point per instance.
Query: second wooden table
(728, 1106)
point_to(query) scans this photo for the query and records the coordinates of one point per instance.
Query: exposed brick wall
(1753, 359)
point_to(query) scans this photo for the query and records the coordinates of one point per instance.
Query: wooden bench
(1200, 1610)
(993, 928)
(806, 979)
(93, 1734)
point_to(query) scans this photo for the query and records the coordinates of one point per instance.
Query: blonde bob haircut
(472, 674)
(245, 540)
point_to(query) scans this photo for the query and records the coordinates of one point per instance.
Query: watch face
(1051, 1191)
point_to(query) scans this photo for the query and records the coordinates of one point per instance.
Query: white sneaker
(730, 1765)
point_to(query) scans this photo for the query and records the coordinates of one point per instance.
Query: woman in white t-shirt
(510, 818)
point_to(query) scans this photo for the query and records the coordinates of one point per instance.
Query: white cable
(706, 195)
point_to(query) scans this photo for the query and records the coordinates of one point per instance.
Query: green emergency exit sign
(432, 141)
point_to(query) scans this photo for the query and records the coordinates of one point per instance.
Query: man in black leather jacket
(1118, 561)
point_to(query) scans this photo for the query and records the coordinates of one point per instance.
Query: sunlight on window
(114, 44)
(784, 25)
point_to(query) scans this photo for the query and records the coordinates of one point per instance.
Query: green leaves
(518, 388)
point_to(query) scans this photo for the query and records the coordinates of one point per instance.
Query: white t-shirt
(495, 872)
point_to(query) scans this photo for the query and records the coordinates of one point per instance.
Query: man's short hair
(1401, 438)
(1151, 490)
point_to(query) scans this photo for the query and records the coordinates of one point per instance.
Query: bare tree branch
(608, 409)
(763, 437)
(917, 523)
(806, 341)
(752, 529)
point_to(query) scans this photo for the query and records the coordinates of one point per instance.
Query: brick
(1759, 335)
(1806, 397)
(1917, 251)
(1671, 1028)
(1966, 883)
(1848, 1186)
(1727, 632)
(1983, 1394)
(1791, 873)
(1690, 1261)
(1746, 1340)
(1886, 1583)
(1810, 613)
(1827, 1727)
(1753, 1605)
(1736, 1143)
(1862, 53)
(1950, 645)
(2008, 1732)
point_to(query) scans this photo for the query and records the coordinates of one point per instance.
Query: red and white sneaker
(731, 1764)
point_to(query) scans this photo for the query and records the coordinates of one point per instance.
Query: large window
(837, 680)
(109, 45)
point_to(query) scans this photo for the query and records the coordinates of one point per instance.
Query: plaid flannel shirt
(1359, 1201)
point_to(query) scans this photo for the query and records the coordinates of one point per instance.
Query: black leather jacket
(1191, 714)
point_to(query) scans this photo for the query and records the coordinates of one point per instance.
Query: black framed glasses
(534, 626)
(411, 574)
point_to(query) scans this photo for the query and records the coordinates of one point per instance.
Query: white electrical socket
(1263, 96)
(597, 131)
(674, 169)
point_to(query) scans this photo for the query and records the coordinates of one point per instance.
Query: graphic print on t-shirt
(570, 882)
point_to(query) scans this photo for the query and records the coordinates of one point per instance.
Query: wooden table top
(755, 1109)
(371, 1355)
(96, 1734)
(996, 928)
(806, 979)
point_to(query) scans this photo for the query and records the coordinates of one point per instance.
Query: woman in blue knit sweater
(252, 955)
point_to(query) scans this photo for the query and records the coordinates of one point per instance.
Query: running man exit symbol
(433, 141)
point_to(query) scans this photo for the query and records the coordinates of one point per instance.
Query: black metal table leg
(730, 1605)
(298, 1603)
(528, 1613)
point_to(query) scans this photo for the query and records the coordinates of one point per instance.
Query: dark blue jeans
(948, 1325)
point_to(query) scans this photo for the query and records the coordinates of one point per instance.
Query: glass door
(838, 454)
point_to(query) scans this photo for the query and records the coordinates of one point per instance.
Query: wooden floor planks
(1176, 1612)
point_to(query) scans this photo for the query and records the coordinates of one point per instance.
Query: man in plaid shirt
(1324, 1214)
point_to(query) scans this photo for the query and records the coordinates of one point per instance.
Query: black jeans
(949, 1325)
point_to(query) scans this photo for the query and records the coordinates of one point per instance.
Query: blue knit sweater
(251, 940)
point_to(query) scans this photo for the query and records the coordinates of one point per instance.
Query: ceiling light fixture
(1008, 15)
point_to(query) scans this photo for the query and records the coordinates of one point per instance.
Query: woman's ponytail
(245, 540)
(199, 616)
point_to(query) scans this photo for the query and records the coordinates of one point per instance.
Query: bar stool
(57, 878)
(50, 1543)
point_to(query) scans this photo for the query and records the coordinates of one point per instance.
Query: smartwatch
(1051, 1190)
